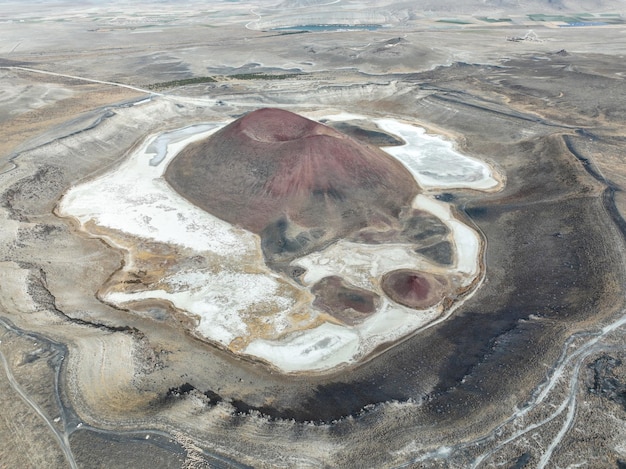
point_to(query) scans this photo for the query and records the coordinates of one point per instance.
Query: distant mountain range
(315, 13)
(465, 6)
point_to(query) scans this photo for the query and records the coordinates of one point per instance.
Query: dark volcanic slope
(298, 183)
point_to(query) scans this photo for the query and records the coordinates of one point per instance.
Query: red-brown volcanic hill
(296, 182)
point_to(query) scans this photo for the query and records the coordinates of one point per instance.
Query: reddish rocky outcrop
(418, 290)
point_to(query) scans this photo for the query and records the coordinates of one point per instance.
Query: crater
(417, 290)
(283, 240)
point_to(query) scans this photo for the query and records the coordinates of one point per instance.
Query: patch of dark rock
(586, 134)
(347, 303)
(421, 227)
(473, 339)
(604, 382)
(275, 241)
(181, 390)
(330, 403)
(185, 389)
(101, 449)
(342, 400)
(241, 407)
(213, 397)
(445, 197)
(271, 413)
(497, 334)
(477, 212)
(44, 185)
(395, 40)
(295, 272)
(13, 63)
(441, 253)
(365, 134)
(521, 462)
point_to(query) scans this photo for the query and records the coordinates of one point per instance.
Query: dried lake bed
(234, 298)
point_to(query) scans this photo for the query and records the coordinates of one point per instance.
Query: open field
(527, 371)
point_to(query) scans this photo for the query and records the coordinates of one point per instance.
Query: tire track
(62, 438)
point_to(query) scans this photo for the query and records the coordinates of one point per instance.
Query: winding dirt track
(62, 438)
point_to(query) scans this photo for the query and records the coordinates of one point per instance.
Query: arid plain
(105, 364)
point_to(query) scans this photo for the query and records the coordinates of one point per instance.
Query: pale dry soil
(528, 373)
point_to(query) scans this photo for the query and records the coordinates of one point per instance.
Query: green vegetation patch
(285, 33)
(561, 18)
(494, 20)
(454, 21)
(263, 76)
(608, 18)
(238, 76)
(183, 82)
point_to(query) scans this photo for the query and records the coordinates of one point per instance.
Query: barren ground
(529, 372)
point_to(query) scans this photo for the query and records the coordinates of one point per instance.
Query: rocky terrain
(527, 372)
